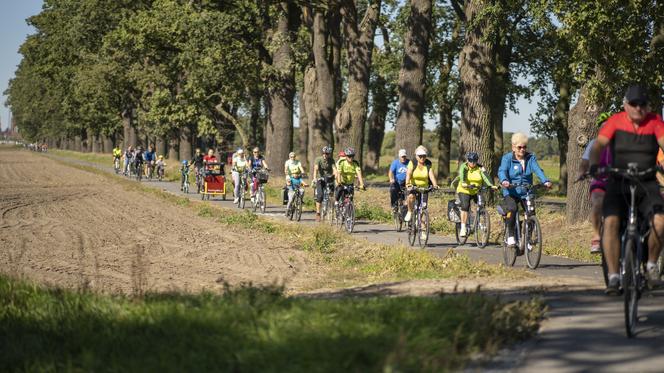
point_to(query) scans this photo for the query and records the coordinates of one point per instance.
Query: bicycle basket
(453, 212)
(262, 177)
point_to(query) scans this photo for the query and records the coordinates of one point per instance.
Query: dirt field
(65, 226)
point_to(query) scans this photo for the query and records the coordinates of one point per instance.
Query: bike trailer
(453, 213)
(214, 182)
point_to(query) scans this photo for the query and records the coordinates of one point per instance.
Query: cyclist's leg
(614, 208)
(510, 206)
(652, 204)
(596, 202)
(320, 189)
(464, 206)
(394, 194)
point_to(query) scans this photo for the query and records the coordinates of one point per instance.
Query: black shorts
(648, 199)
(464, 201)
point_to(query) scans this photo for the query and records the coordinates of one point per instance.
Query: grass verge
(251, 329)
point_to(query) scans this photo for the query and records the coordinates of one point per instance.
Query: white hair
(519, 138)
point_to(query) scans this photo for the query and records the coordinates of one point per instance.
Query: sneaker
(613, 288)
(653, 277)
(594, 247)
(423, 236)
(407, 218)
(235, 200)
(318, 216)
(463, 232)
(253, 199)
(511, 241)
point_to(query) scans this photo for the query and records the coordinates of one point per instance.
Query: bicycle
(418, 226)
(116, 165)
(345, 210)
(633, 254)
(150, 170)
(185, 181)
(295, 207)
(528, 233)
(243, 186)
(399, 211)
(326, 205)
(479, 223)
(160, 173)
(139, 170)
(200, 179)
(259, 195)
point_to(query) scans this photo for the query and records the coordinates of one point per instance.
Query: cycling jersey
(347, 170)
(293, 165)
(399, 170)
(630, 143)
(149, 156)
(256, 162)
(240, 164)
(420, 175)
(129, 154)
(117, 153)
(197, 160)
(295, 183)
(325, 166)
(473, 176)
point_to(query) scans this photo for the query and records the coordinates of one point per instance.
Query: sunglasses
(255, 152)
(522, 147)
(637, 103)
(421, 156)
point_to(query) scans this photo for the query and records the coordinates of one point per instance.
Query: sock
(463, 226)
(651, 265)
(613, 275)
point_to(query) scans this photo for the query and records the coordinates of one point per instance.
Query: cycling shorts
(464, 201)
(648, 198)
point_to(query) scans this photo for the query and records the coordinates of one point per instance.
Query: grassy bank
(250, 329)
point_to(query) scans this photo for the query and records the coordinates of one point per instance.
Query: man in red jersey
(635, 136)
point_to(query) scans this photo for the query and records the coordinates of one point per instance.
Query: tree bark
(350, 119)
(581, 125)
(185, 142)
(161, 145)
(412, 76)
(560, 120)
(77, 143)
(476, 66)
(107, 144)
(279, 136)
(335, 41)
(129, 137)
(95, 143)
(173, 143)
(303, 131)
(377, 124)
(255, 121)
(310, 103)
(503, 58)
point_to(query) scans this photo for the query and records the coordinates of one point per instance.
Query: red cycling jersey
(630, 143)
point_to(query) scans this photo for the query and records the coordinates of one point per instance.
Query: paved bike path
(584, 329)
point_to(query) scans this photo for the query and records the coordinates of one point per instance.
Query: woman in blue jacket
(517, 167)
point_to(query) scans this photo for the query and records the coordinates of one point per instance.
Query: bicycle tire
(350, 217)
(261, 194)
(298, 208)
(630, 289)
(483, 224)
(533, 242)
(509, 253)
(412, 231)
(423, 223)
(460, 240)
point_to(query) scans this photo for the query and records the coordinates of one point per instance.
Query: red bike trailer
(214, 181)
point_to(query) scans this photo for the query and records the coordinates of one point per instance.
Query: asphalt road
(584, 329)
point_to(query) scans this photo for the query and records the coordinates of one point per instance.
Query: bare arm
(359, 176)
(432, 177)
(597, 149)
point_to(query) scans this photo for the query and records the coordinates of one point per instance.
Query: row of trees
(236, 72)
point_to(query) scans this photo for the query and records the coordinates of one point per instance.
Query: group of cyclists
(138, 162)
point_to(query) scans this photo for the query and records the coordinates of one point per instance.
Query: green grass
(251, 329)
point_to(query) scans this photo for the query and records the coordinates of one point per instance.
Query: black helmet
(327, 150)
(472, 157)
(350, 152)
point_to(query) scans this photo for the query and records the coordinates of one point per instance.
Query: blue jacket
(512, 171)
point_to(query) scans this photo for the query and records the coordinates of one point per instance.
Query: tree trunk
(107, 144)
(303, 131)
(350, 119)
(255, 120)
(320, 130)
(95, 144)
(129, 137)
(279, 136)
(412, 77)
(376, 125)
(335, 41)
(581, 125)
(560, 118)
(310, 103)
(161, 145)
(77, 143)
(503, 57)
(173, 144)
(185, 142)
(476, 65)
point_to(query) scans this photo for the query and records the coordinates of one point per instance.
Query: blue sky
(13, 31)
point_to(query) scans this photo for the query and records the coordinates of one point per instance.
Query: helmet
(602, 118)
(350, 152)
(472, 157)
(185, 162)
(341, 154)
(327, 150)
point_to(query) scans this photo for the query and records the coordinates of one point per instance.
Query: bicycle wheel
(630, 289)
(457, 230)
(412, 231)
(533, 242)
(482, 228)
(509, 253)
(350, 217)
(298, 208)
(423, 229)
(261, 195)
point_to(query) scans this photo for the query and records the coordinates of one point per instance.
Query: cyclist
(347, 170)
(197, 162)
(138, 159)
(160, 165)
(397, 175)
(184, 169)
(294, 184)
(149, 157)
(256, 163)
(325, 169)
(290, 166)
(471, 177)
(419, 175)
(597, 186)
(128, 159)
(117, 154)
(240, 168)
(517, 167)
(633, 135)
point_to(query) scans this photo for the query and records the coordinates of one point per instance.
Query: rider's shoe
(318, 216)
(235, 200)
(407, 217)
(653, 277)
(463, 232)
(613, 287)
(511, 241)
(594, 247)
(424, 235)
